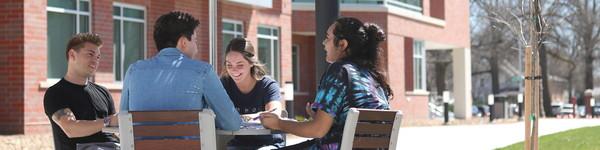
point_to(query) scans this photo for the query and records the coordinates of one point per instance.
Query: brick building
(34, 36)
(412, 27)
(35, 33)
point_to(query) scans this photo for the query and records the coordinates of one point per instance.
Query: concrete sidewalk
(481, 137)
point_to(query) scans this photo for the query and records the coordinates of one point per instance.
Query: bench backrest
(167, 130)
(371, 129)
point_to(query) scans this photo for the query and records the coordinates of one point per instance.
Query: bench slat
(166, 144)
(167, 130)
(164, 116)
(371, 128)
(371, 142)
(376, 115)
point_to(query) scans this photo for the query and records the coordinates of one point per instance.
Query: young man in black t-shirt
(77, 108)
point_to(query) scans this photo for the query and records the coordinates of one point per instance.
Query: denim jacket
(173, 81)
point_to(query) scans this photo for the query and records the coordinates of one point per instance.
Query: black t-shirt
(87, 102)
(265, 91)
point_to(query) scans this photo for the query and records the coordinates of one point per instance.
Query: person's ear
(71, 54)
(343, 44)
(181, 43)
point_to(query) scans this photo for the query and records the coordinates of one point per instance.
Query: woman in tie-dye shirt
(352, 80)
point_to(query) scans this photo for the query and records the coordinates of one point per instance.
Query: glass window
(268, 50)
(129, 37)
(231, 29)
(414, 5)
(65, 19)
(419, 75)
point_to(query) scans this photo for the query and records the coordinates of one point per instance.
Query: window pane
(133, 13)
(117, 49)
(84, 24)
(60, 29)
(116, 11)
(226, 39)
(228, 26)
(238, 28)
(275, 32)
(66, 4)
(264, 53)
(133, 43)
(84, 6)
(264, 31)
(412, 2)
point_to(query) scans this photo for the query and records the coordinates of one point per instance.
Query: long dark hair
(363, 46)
(244, 47)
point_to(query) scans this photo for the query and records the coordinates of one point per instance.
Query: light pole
(520, 105)
(288, 95)
(491, 105)
(446, 99)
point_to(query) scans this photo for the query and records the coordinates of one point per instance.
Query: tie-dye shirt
(343, 86)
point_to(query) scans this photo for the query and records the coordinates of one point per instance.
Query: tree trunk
(546, 99)
(495, 73)
(589, 76)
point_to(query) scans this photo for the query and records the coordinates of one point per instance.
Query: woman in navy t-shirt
(251, 93)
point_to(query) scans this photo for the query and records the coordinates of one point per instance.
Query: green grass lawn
(587, 138)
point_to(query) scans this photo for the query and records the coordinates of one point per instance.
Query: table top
(111, 129)
(246, 129)
(249, 128)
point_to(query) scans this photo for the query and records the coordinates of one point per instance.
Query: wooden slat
(165, 116)
(167, 130)
(371, 142)
(371, 128)
(376, 115)
(167, 144)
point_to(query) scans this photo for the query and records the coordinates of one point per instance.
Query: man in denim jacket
(173, 80)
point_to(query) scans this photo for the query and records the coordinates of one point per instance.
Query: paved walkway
(481, 137)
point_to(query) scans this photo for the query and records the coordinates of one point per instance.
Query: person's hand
(249, 117)
(114, 120)
(270, 120)
(309, 110)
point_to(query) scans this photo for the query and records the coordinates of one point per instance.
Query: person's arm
(65, 119)
(227, 118)
(316, 128)
(125, 92)
(272, 107)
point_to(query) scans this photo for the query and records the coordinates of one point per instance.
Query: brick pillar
(11, 67)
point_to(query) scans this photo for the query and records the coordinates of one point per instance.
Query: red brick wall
(23, 50)
(11, 67)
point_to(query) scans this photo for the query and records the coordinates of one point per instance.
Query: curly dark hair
(171, 26)
(363, 46)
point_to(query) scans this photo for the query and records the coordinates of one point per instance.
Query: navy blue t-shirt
(265, 91)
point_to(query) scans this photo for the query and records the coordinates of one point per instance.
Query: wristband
(106, 121)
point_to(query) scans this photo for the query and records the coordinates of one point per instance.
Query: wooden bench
(158, 130)
(371, 129)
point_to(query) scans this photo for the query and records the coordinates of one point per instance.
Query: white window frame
(235, 31)
(297, 67)
(272, 38)
(122, 18)
(78, 13)
(422, 75)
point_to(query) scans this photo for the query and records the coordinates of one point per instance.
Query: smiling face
(84, 61)
(238, 68)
